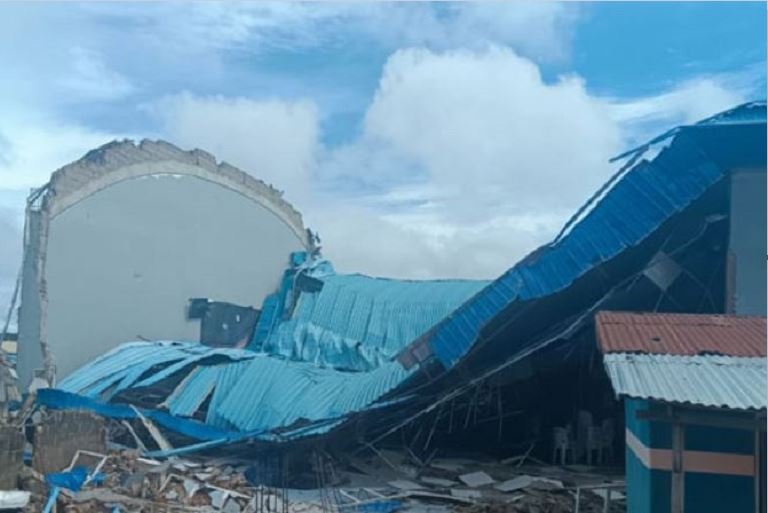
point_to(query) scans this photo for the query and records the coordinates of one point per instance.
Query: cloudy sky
(420, 140)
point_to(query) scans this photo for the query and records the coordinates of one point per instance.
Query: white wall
(123, 262)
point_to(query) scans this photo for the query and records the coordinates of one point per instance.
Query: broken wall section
(61, 434)
(11, 456)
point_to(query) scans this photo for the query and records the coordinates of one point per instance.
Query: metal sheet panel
(681, 334)
(637, 204)
(358, 322)
(714, 381)
(250, 392)
(274, 393)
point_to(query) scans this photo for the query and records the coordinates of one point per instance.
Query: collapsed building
(346, 362)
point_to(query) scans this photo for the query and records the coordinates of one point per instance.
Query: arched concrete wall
(129, 233)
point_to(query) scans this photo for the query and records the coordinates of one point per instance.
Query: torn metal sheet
(352, 322)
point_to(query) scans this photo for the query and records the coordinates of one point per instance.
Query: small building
(694, 390)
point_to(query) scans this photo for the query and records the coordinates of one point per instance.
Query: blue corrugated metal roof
(279, 393)
(638, 203)
(355, 322)
(123, 366)
(715, 381)
(250, 392)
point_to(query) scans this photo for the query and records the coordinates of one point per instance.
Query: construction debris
(15, 499)
(476, 479)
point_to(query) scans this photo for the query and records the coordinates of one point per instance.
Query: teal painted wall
(649, 491)
(719, 493)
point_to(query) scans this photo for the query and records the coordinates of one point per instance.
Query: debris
(514, 484)
(475, 479)
(51, 503)
(466, 494)
(232, 506)
(603, 494)
(448, 465)
(403, 484)
(13, 499)
(543, 483)
(437, 481)
(190, 487)
(218, 497)
(429, 496)
(157, 436)
(60, 434)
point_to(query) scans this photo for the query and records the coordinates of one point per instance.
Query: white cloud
(685, 103)
(485, 122)
(540, 29)
(91, 79)
(273, 139)
(473, 161)
(36, 149)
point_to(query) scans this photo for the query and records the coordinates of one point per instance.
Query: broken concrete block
(466, 494)
(190, 487)
(218, 497)
(449, 465)
(404, 484)
(544, 483)
(475, 479)
(11, 456)
(437, 481)
(61, 434)
(514, 484)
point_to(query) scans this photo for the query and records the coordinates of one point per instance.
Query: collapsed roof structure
(351, 354)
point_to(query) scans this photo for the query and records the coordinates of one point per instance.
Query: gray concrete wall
(123, 262)
(29, 354)
(748, 241)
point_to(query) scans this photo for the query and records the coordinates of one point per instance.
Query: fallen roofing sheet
(354, 322)
(681, 334)
(250, 392)
(640, 200)
(714, 381)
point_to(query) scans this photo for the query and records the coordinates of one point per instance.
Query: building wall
(748, 241)
(649, 465)
(122, 263)
(30, 357)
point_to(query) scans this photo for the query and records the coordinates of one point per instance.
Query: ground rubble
(124, 481)
(75, 465)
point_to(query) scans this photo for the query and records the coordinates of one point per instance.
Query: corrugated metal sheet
(639, 202)
(249, 392)
(356, 322)
(681, 334)
(123, 366)
(715, 381)
(274, 393)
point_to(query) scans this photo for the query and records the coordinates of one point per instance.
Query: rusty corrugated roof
(681, 334)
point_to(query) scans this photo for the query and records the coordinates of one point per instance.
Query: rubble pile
(60, 475)
(128, 482)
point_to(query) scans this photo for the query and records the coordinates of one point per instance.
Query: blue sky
(420, 140)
